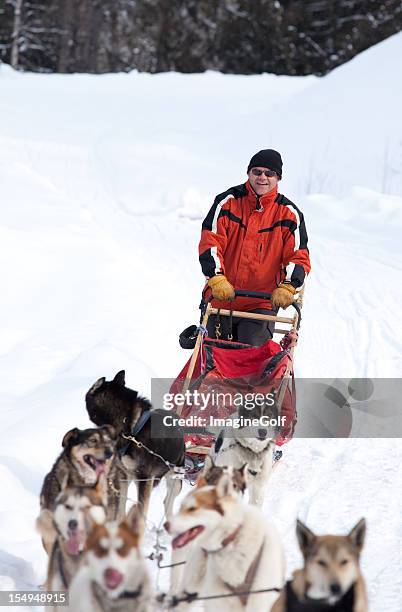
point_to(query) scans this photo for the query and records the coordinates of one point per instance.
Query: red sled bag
(225, 369)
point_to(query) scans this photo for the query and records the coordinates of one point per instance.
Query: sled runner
(225, 368)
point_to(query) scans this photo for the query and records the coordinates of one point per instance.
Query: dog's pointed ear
(95, 516)
(101, 488)
(305, 537)
(96, 385)
(69, 437)
(120, 378)
(45, 524)
(201, 481)
(358, 534)
(135, 520)
(244, 473)
(112, 431)
(225, 484)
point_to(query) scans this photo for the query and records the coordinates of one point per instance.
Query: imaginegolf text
(203, 400)
(171, 420)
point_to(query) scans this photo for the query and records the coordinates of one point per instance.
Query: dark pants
(248, 331)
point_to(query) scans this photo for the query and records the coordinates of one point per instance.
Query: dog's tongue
(73, 543)
(182, 539)
(112, 578)
(100, 468)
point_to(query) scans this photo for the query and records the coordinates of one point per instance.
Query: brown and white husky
(113, 576)
(234, 549)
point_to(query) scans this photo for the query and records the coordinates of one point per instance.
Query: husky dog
(112, 403)
(113, 576)
(211, 475)
(253, 446)
(331, 580)
(234, 550)
(86, 455)
(74, 507)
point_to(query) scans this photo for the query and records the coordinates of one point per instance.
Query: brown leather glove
(283, 295)
(221, 288)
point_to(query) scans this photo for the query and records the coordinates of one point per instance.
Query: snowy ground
(104, 181)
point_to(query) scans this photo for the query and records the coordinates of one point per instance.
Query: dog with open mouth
(68, 524)
(113, 576)
(233, 550)
(331, 579)
(86, 455)
(211, 475)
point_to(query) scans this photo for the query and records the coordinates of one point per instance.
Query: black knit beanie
(267, 158)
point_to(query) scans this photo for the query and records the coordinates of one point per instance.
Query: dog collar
(130, 594)
(138, 426)
(225, 541)
(345, 604)
(100, 591)
(248, 449)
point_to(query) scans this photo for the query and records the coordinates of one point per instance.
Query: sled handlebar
(253, 294)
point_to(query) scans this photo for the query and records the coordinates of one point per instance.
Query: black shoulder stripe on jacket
(284, 201)
(232, 217)
(292, 225)
(236, 192)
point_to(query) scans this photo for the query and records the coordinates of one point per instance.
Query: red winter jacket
(256, 242)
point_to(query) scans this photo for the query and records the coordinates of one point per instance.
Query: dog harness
(248, 582)
(293, 604)
(64, 579)
(65, 575)
(245, 586)
(140, 424)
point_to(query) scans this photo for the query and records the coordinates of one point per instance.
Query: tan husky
(331, 579)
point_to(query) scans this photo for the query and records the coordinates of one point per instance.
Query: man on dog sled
(254, 238)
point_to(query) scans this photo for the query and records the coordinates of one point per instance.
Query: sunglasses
(268, 173)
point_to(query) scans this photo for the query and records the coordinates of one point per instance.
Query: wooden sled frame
(294, 323)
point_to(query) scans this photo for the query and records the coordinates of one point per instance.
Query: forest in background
(293, 37)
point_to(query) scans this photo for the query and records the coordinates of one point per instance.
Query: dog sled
(225, 368)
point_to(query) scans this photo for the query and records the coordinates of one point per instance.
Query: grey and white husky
(251, 445)
(68, 525)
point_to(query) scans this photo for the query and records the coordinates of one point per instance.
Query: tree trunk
(16, 34)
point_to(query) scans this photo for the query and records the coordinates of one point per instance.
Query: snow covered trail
(104, 182)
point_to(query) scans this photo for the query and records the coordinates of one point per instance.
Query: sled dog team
(226, 555)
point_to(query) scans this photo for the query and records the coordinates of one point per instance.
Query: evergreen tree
(235, 36)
